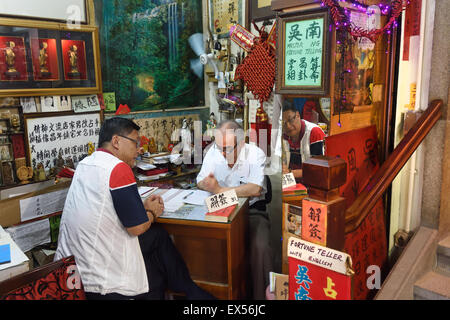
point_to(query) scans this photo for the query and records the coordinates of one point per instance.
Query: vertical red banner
(314, 222)
(367, 245)
(359, 148)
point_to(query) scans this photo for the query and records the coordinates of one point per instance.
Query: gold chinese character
(329, 292)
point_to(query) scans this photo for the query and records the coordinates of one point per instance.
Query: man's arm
(210, 184)
(140, 229)
(154, 206)
(134, 215)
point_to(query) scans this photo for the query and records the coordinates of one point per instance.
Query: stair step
(432, 286)
(444, 247)
(443, 256)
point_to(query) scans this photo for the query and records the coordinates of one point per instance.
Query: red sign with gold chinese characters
(242, 37)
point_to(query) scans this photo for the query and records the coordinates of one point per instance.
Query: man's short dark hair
(289, 106)
(115, 126)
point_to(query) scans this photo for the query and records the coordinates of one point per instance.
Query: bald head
(230, 127)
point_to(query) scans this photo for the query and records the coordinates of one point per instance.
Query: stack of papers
(145, 166)
(161, 159)
(143, 177)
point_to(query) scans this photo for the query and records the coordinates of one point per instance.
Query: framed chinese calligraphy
(223, 14)
(303, 53)
(48, 59)
(58, 140)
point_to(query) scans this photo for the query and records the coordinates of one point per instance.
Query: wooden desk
(215, 253)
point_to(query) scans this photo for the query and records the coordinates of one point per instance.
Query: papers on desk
(174, 199)
(180, 209)
(17, 256)
(197, 197)
(30, 235)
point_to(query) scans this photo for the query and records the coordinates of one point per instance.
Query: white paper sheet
(197, 197)
(30, 235)
(173, 199)
(48, 203)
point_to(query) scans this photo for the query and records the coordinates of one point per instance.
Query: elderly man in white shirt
(233, 164)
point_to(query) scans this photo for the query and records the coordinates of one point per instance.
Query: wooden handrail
(382, 179)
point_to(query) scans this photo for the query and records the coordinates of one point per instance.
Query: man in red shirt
(305, 139)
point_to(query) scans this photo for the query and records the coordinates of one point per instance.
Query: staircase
(435, 284)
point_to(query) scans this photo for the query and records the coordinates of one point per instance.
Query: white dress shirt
(249, 168)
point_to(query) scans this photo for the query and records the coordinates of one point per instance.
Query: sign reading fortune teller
(317, 272)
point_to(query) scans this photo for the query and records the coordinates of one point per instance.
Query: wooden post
(323, 211)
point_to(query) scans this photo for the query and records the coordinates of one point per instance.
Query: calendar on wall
(223, 14)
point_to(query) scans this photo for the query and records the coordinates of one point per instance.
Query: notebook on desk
(5, 253)
(222, 215)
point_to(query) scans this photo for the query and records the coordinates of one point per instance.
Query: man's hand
(210, 184)
(155, 204)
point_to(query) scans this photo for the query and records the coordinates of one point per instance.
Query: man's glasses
(135, 141)
(226, 150)
(289, 121)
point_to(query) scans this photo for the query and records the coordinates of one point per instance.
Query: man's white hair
(231, 127)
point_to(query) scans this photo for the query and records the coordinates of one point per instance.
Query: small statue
(10, 58)
(7, 173)
(186, 139)
(24, 174)
(69, 163)
(15, 122)
(35, 174)
(152, 148)
(43, 60)
(59, 163)
(73, 60)
(41, 172)
(211, 124)
(91, 148)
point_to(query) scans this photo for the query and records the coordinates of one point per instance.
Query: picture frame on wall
(48, 61)
(48, 10)
(260, 10)
(74, 59)
(303, 53)
(13, 64)
(223, 14)
(45, 59)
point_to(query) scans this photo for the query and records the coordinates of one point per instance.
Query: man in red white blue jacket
(119, 252)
